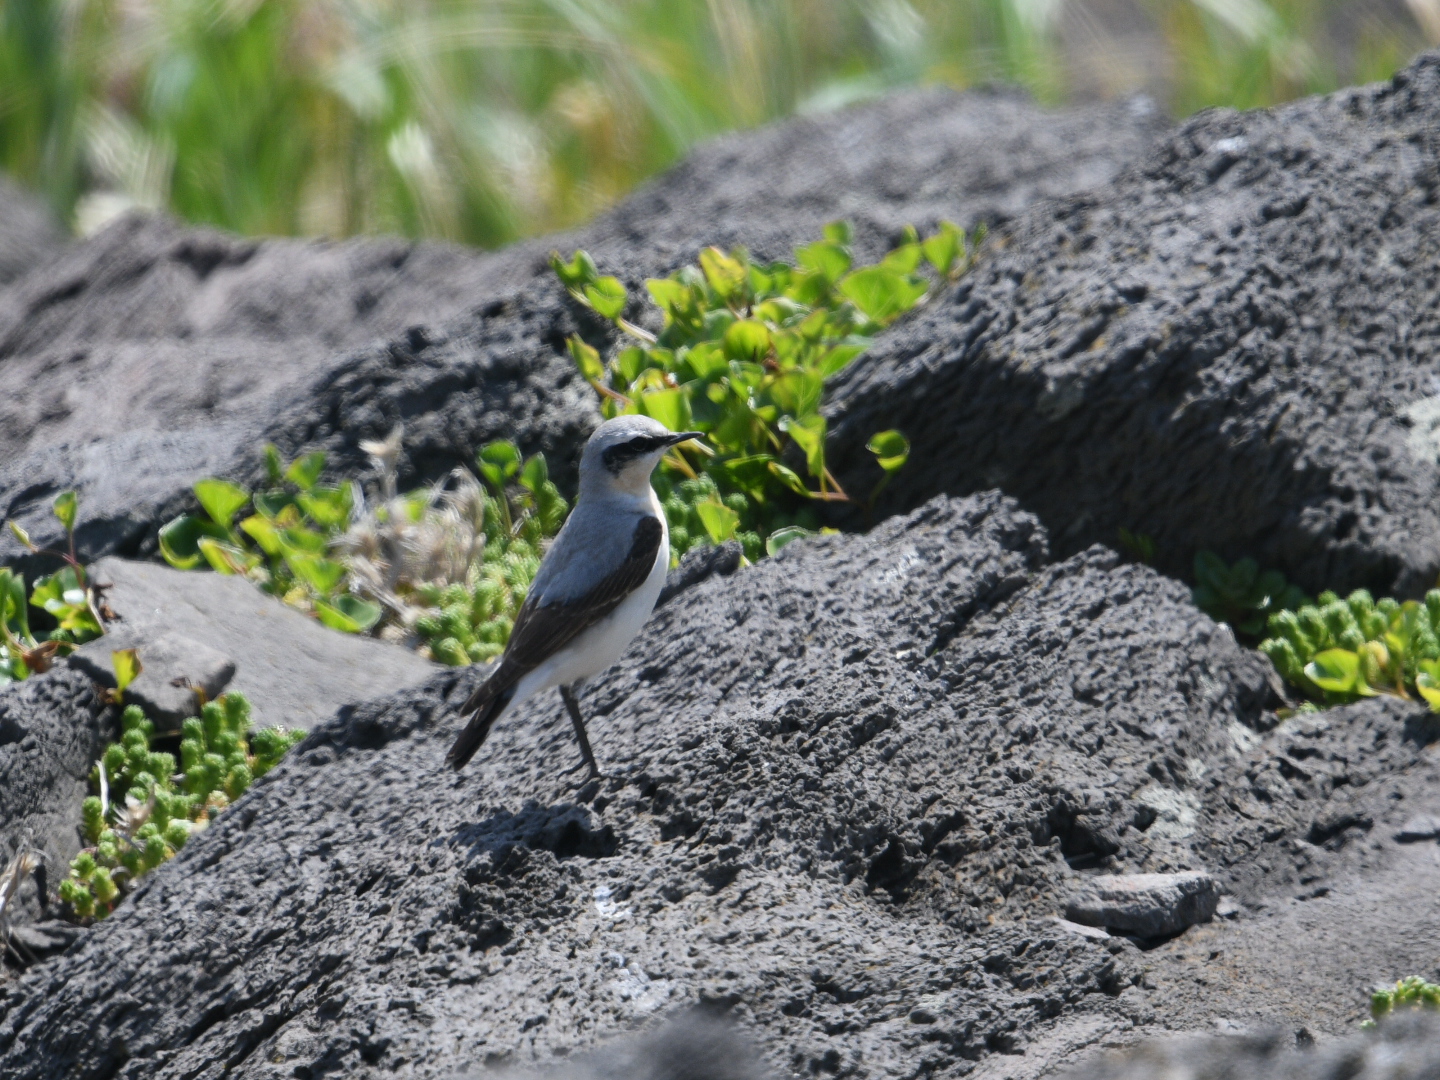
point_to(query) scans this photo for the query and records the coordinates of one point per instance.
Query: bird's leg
(567, 695)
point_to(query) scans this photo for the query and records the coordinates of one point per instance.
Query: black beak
(685, 436)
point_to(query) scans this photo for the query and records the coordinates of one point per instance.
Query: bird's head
(623, 452)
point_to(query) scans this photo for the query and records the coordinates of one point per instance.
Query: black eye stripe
(618, 456)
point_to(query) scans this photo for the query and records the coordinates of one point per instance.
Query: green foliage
(485, 120)
(1411, 993)
(443, 569)
(1241, 595)
(145, 810)
(65, 596)
(1337, 651)
(469, 621)
(284, 545)
(743, 355)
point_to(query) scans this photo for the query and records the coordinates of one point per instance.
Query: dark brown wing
(542, 631)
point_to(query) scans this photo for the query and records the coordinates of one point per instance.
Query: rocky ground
(879, 802)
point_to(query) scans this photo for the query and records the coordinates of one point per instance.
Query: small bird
(596, 587)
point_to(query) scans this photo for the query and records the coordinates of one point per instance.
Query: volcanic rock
(1146, 905)
(846, 789)
(1406, 1048)
(207, 630)
(53, 728)
(28, 233)
(153, 355)
(1230, 347)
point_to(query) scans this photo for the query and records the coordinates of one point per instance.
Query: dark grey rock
(700, 563)
(42, 940)
(1146, 905)
(694, 1045)
(173, 668)
(29, 234)
(845, 786)
(53, 728)
(222, 633)
(1229, 347)
(1407, 1048)
(152, 355)
(1419, 827)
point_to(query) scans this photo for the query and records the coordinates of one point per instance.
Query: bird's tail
(484, 708)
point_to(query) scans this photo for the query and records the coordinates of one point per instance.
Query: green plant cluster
(1337, 651)
(522, 510)
(743, 356)
(299, 540)
(66, 596)
(284, 543)
(146, 810)
(1411, 993)
(1243, 596)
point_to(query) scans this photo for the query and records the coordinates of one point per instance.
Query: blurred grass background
(486, 120)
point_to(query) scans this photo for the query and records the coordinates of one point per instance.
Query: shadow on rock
(694, 1045)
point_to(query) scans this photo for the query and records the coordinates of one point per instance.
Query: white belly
(603, 644)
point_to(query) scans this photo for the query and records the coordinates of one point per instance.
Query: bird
(595, 588)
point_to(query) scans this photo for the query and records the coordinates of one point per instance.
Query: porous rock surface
(847, 789)
(152, 355)
(1405, 1048)
(53, 728)
(294, 671)
(1232, 346)
(29, 235)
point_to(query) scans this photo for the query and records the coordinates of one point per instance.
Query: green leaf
(809, 434)
(578, 272)
(746, 340)
(838, 357)
(306, 541)
(14, 614)
(263, 533)
(882, 294)
(838, 232)
(499, 463)
(126, 663)
(64, 506)
(788, 477)
(328, 506)
(903, 260)
(942, 249)
(1336, 671)
(274, 470)
(1427, 682)
(272, 505)
(586, 358)
(22, 535)
(780, 537)
(670, 407)
(347, 613)
(534, 474)
(719, 520)
(891, 450)
(322, 575)
(224, 558)
(706, 360)
(607, 296)
(631, 363)
(750, 474)
(726, 275)
(304, 471)
(828, 259)
(180, 540)
(221, 499)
